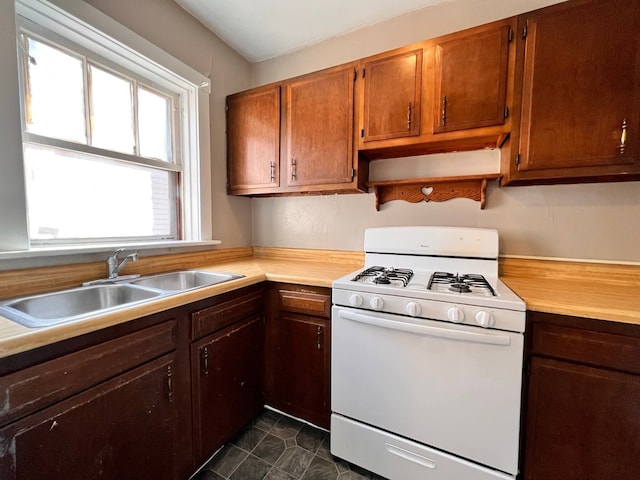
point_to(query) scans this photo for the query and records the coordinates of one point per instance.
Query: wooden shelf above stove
(436, 189)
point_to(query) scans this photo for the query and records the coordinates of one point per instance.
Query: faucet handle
(117, 252)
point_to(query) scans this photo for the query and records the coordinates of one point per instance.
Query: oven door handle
(473, 337)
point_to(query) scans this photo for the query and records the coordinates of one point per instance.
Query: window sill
(150, 248)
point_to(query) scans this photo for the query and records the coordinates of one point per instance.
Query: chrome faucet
(113, 267)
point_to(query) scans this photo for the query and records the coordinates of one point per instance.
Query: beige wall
(595, 221)
(168, 26)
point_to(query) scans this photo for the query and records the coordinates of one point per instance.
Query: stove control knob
(413, 309)
(355, 300)
(484, 319)
(455, 314)
(376, 303)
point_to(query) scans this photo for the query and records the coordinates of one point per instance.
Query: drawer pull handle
(170, 383)
(412, 457)
(623, 137)
(272, 171)
(319, 338)
(409, 116)
(443, 118)
(294, 169)
(205, 361)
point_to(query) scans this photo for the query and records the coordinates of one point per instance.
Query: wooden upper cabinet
(253, 140)
(392, 93)
(319, 128)
(471, 78)
(579, 94)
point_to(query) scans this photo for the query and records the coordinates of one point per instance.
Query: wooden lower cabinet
(582, 414)
(155, 397)
(227, 359)
(103, 418)
(298, 356)
(227, 386)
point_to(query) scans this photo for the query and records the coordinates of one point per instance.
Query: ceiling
(263, 29)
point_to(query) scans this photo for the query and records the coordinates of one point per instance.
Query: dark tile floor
(277, 447)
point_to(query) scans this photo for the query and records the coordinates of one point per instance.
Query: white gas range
(427, 350)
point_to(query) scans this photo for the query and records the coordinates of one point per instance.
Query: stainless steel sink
(184, 280)
(84, 302)
(75, 304)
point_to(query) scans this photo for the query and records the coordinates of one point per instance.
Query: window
(110, 137)
(98, 150)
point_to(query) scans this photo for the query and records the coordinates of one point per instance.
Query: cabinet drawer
(305, 302)
(44, 384)
(214, 318)
(595, 348)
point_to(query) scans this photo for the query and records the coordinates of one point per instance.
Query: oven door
(452, 387)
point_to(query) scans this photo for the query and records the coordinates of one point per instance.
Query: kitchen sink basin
(74, 304)
(84, 302)
(184, 280)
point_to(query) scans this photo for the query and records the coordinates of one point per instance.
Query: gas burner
(460, 288)
(467, 283)
(385, 276)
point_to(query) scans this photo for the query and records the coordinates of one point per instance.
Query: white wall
(591, 221)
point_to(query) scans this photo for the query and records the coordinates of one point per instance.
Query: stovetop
(444, 282)
(439, 273)
(495, 294)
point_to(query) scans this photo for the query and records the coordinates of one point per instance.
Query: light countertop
(15, 338)
(576, 297)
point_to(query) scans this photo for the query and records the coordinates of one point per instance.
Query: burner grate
(456, 283)
(385, 276)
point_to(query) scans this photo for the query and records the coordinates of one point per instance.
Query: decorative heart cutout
(426, 191)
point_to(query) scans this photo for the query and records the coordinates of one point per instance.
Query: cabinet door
(123, 429)
(582, 423)
(392, 92)
(226, 371)
(305, 353)
(253, 140)
(580, 98)
(320, 128)
(471, 79)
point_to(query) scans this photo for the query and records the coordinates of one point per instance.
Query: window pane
(55, 93)
(111, 111)
(73, 196)
(154, 125)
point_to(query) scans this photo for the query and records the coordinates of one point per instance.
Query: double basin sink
(85, 302)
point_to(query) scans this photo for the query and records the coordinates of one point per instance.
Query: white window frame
(168, 74)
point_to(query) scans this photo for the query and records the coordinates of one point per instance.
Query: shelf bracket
(437, 189)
